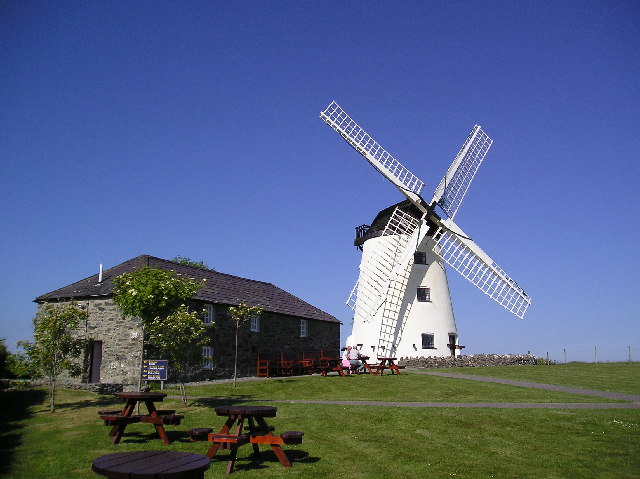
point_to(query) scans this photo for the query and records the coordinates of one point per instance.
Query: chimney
(100, 274)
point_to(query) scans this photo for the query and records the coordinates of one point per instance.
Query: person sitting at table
(354, 359)
(346, 363)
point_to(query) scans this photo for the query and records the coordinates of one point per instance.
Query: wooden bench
(286, 438)
(118, 419)
(167, 419)
(199, 433)
(165, 412)
(292, 437)
(328, 365)
(240, 439)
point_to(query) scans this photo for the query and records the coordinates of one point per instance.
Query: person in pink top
(354, 358)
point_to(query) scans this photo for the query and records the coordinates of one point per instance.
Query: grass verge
(356, 441)
(617, 377)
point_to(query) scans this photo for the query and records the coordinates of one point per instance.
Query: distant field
(359, 442)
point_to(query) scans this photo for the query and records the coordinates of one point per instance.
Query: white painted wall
(434, 317)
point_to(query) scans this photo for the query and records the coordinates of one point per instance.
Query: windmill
(401, 301)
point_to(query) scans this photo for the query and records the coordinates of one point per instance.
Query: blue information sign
(154, 369)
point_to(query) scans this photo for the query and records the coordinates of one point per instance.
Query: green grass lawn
(617, 377)
(353, 441)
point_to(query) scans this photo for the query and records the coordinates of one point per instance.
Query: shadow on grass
(15, 409)
(267, 459)
(97, 402)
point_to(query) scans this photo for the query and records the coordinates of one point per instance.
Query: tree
(190, 262)
(148, 293)
(54, 347)
(4, 358)
(178, 337)
(239, 315)
(152, 294)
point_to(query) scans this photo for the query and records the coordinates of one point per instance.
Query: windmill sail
(408, 183)
(453, 187)
(390, 316)
(387, 261)
(468, 259)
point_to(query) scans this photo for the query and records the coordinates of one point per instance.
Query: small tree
(190, 262)
(239, 315)
(178, 337)
(150, 293)
(54, 347)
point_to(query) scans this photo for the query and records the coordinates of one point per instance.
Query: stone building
(114, 342)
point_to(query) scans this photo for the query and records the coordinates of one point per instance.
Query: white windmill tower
(401, 301)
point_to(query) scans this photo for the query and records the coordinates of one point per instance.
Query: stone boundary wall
(476, 360)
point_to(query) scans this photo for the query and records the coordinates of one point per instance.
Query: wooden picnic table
(366, 365)
(386, 363)
(152, 465)
(119, 420)
(329, 364)
(232, 434)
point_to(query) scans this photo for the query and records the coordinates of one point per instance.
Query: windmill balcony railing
(361, 231)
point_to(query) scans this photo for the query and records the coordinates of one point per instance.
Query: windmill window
(255, 324)
(424, 294)
(207, 357)
(419, 257)
(209, 314)
(428, 341)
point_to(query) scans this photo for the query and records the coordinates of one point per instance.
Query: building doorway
(96, 361)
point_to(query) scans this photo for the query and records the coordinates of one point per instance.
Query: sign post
(155, 370)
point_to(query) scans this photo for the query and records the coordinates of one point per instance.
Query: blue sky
(191, 128)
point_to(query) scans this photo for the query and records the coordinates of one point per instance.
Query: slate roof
(219, 288)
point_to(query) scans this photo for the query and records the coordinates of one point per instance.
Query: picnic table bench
(118, 420)
(387, 363)
(328, 365)
(231, 436)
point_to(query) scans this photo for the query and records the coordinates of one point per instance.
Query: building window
(304, 328)
(255, 324)
(209, 314)
(419, 257)
(207, 357)
(428, 341)
(424, 294)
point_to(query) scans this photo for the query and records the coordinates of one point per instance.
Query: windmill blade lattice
(373, 152)
(453, 187)
(468, 259)
(373, 283)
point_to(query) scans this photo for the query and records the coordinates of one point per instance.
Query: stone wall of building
(277, 333)
(121, 343)
(477, 360)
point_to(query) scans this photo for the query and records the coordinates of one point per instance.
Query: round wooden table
(152, 465)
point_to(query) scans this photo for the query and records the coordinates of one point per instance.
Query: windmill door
(452, 344)
(96, 361)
